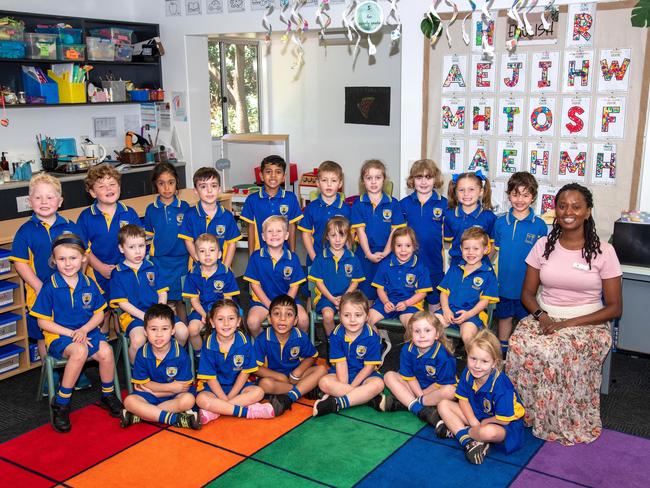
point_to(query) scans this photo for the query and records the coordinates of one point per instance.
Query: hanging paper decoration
(454, 73)
(581, 25)
(348, 23)
(539, 159)
(452, 116)
(322, 16)
(544, 70)
(578, 71)
(466, 39)
(369, 17)
(610, 118)
(541, 116)
(603, 164)
(527, 25)
(431, 25)
(396, 33)
(511, 117)
(481, 116)
(478, 155)
(513, 73)
(513, 13)
(266, 23)
(285, 13)
(454, 15)
(453, 155)
(575, 117)
(482, 32)
(545, 199)
(614, 70)
(483, 72)
(509, 158)
(573, 161)
(549, 15)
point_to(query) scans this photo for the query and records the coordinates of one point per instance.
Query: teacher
(556, 354)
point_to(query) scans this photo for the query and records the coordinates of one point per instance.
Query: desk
(633, 326)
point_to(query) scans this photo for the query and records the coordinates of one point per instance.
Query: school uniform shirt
(434, 366)
(378, 222)
(315, 217)
(175, 366)
(466, 291)
(426, 219)
(514, 239)
(401, 281)
(275, 277)
(162, 222)
(260, 205)
(222, 225)
(335, 273)
(67, 307)
(220, 284)
(225, 367)
(496, 398)
(140, 287)
(457, 222)
(360, 352)
(283, 357)
(32, 245)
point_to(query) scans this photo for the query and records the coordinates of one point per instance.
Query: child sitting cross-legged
(162, 376)
(286, 357)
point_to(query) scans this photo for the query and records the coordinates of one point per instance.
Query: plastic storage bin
(68, 92)
(5, 265)
(7, 293)
(71, 52)
(139, 95)
(34, 356)
(65, 35)
(41, 46)
(49, 90)
(8, 325)
(100, 49)
(119, 35)
(12, 49)
(118, 88)
(12, 32)
(123, 52)
(10, 357)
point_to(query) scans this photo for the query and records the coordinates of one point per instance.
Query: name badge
(582, 266)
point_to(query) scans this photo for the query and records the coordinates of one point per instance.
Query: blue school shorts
(379, 307)
(325, 303)
(226, 388)
(154, 400)
(171, 269)
(514, 436)
(508, 307)
(476, 320)
(374, 374)
(57, 346)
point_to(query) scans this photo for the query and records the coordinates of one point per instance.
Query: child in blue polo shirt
(427, 371)
(336, 271)
(70, 309)
(227, 360)
(162, 376)
(402, 281)
(273, 270)
(272, 199)
(423, 210)
(162, 220)
(375, 216)
(489, 409)
(286, 357)
(205, 284)
(515, 234)
(469, 287)
(470, 205)
(208, 216)
(136, 286)
(330, 203)
(355, 354)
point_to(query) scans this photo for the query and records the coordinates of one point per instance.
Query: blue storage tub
(49, 90)
(8, 325)
(66, 35)
(5, 265)
(7, 293)
(139, 95)
(10, 357)
(12, 49)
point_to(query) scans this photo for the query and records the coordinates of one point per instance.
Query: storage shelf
(6, 276)
(11, 308)
(48, 105)
(11, 340)
(87, 61)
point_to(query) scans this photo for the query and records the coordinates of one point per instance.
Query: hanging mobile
(369, 17)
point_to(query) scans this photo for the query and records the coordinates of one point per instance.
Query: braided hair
(591, 246)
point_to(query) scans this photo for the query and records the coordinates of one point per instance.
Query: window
(234, 87)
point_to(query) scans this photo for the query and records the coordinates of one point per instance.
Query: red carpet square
(14, 476)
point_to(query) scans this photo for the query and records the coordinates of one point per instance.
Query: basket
(133, 157)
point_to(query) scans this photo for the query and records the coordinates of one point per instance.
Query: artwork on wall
(192, 7)
(614, 70)
(367, 105)
(483, 30)
(213, 7)
(509, 158)
(575, 117)
(539, 34)
(578, 71)
(581, 25)
(236, 6)
(603, 164)
(541, 116)
(173, 8)
(511, 117)
(454, 73)
(453, 115)
(478, 154)
(453, 155)
(513, 72)
(481, 116)
(545, 199)
(610, 118)
(539, 159)
(544, 69)
(483, 73)
(572, 161)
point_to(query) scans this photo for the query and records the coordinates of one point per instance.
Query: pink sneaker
(260, 411)
(207, 416)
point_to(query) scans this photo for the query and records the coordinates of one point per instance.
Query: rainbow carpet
(358, 447)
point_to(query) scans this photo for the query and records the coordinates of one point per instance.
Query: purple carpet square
(533, 479)
(614, 460)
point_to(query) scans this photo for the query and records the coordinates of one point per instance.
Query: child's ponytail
(486, 201)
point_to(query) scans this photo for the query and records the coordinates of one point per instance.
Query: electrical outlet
(22, 204)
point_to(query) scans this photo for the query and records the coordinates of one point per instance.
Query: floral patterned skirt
(558, 377)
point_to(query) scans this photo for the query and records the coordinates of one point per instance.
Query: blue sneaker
(83, 383)
(57, 379)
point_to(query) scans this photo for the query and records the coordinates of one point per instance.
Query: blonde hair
(486, 200)
(45, 179)
(206, 237)
(340, 225)
(488, 342)
(276, 218)
(475, 232)
(367, 166)
(401, 232)
(433, 320)
(99, 172)
(355, 297)
(331, 167)
(425, 167)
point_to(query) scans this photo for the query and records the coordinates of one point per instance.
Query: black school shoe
(475, 451)
(429, 415)
(60, 417)
(280, 403)
(188, 420)
(392, 404)
(112, 404)
(376, 401)
(129, 419)
(442, 432)
(315, 394)
(325, 406)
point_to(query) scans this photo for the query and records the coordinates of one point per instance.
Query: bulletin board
(565, 109)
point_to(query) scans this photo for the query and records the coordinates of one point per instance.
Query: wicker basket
(133, 157)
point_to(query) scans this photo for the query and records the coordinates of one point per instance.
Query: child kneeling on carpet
(70, 309)
(355, 353)
(286, 357)
(227, 360)
(162, 376)
(427, 371)
(488, 409)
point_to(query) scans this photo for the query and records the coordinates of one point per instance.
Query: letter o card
(609, 118)
(512, 76)
(453, 115)
(509, 157)
(483, 72)
(454, 73)
(452, 155)
(614, 70)
(572, 161)
(541, 116)
(511, 117)
(575, 117)
(544, 69)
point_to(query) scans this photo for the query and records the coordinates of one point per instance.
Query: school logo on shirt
(437, 213)
(218, 285)
(238, 360)
(287, 272)
(151, 277)
(348, 270)
(171, 371)
(477, 281)
(387, 214)
(410, 280)
(123, 223)
(86, 298)
(284, 209)
(221, 230)
(530, 238)
(487, 405)
(361, 351)
(179, 218)
(294, 352)
(431, 371)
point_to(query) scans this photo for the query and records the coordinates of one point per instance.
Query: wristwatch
(538, 313)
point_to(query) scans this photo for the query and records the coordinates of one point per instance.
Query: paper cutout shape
(454, 73)
(452, 115)
(511, 115)
(480, 25)
(578, 71)
(581, 25)
(513, 73)
(603, 164)
(539, 159)
(541, 116)
(452, 155)
(483, 72)
(478, 153)
(509, 158)
(575, 117)
(544, 70)
(482, 116)
(610, 118)
(614, 70)
(545, 199)
(572, 161)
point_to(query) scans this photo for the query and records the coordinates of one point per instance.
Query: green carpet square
(253, 474)
(333, 449)
(402, 421)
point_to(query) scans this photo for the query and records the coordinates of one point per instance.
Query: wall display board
(566, 110)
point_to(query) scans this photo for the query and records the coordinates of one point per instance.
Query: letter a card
(454, 73)
(575, 117)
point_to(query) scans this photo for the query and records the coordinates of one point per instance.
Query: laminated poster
(452, 115)
(481, 116)
(213, 7)
(575, 117)
(578, 71)
(572, 161)
(452, 155)
(483, 72)
(511, 117)
(500, 203)
(545, 199)
(478, 153)
(482, 28)
(192, 7)
(581, 25)
(614, 70)
(603, 164)
(541, 116)
(513, 73)
(609, 118)
(509, 158)
(544, 71)
(539, 159)
(454, 73)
